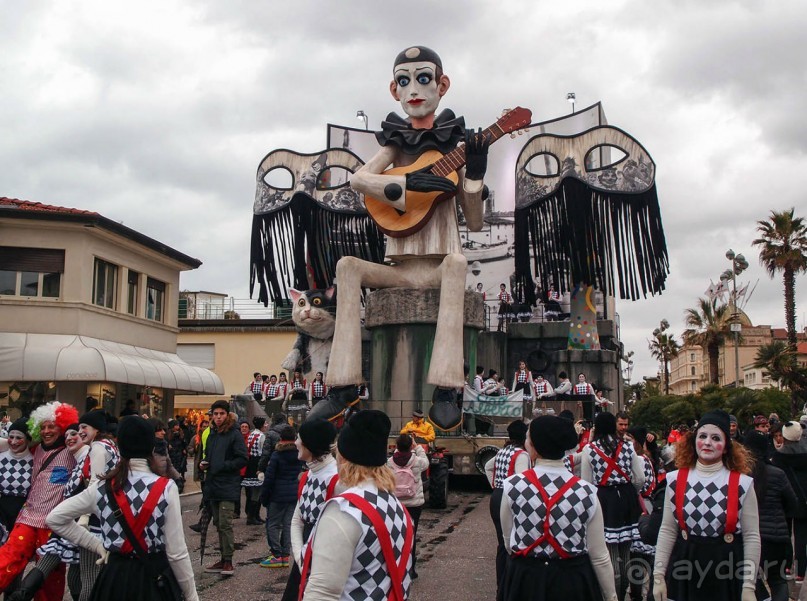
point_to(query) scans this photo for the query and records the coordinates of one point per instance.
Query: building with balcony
(89, 309)
(687, 370)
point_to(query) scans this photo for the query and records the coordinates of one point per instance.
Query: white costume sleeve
(489, 470)
(599, 556)
(336, 537)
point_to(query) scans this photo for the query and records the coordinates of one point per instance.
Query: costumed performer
(142, 545)
(16, 463)
(710, 520)
(552, 525)
(53, 463)
(361, 548)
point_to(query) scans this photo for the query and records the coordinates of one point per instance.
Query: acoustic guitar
(420, 205)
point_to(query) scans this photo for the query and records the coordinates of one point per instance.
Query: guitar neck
(455, 159)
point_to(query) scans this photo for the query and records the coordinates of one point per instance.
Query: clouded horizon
(157, 114)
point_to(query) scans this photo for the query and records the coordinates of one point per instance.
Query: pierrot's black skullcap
(418, 54)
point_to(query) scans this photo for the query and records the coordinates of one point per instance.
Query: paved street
(456, 553)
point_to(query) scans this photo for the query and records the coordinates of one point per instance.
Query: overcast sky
(156, 114)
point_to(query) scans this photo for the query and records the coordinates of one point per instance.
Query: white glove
(748, 594)
(104, 556)
(660, 589)
(261, 476)
(84, 520)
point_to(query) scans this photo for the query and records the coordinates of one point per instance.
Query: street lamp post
(738, 265)
(362, 116)
(570, 97)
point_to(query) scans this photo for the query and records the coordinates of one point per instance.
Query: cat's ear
(330, 293)
(295, 295)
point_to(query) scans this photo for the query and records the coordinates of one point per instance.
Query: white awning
(60, 358)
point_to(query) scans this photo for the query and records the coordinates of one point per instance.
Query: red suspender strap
(301, 484)
(138, 524)
(396, 570)
(611, 464)
(733, 503)
(331, 486)
(306, 569)
(85, 468)
(549, 503)
(680, 494)
(571, 463)
(511, 469)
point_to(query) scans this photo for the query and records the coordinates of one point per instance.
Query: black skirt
(705, 568)
(533, 579)
(620, 512)
(127, 578)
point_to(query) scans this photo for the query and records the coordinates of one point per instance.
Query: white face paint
(417, 89)
(17, 441)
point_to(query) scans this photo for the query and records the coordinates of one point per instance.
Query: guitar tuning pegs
(512, 136)
(520, 132)
(505, 111)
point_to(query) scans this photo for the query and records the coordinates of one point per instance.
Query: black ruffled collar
(447, 132)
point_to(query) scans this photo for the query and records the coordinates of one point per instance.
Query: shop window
(31, 272)
(105, 280)
(155, 299)
(131, 292)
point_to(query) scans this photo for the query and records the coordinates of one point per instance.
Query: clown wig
(62, 414)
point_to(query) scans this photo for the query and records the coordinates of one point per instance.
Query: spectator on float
(419, 428)
(564, 385)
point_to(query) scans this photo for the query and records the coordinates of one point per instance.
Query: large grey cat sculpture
(313, 313)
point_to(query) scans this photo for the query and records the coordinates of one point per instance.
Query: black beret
(363, 439)
(135, 437)
(552, 436)
(317, 436)
(94, 418)
(517, 431)
(717, 418)
(20, 425)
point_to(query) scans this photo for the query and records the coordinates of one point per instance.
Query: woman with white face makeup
(709, 543)
(15, 475)
(102, 458)
(57, 550)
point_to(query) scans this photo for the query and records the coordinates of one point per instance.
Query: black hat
(517, 431)
(639, 434)
(73, 426)
(317, 435)
(363, 439)
(552, 436)
(20, 425)
(757, 443)
(220, 404)
(418, 54)
(417, 413)
(135, 437)
(717, 418)
(94, 418)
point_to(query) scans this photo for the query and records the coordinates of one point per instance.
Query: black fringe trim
(578, 236)
(302, 242)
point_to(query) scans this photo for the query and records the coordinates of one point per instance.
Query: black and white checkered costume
(501, 464)
(15, 473)
(569, 517)
(272, 390)
(136, 490)
(67, 552)
(583, 388)
(541, 387)
(369, 578)
(523, 381)
(312, 499)
(706, 501)
(599, 466)
(317, 390)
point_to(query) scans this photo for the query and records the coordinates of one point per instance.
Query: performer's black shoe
(444, 413)
(32, 582)
(196, 527)
(335, 403)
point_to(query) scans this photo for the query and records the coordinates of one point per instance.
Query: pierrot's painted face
(710, 444)
(417, 88)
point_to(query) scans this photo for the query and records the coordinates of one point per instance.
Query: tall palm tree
(782, 246)
(707, 326)
(664, 347)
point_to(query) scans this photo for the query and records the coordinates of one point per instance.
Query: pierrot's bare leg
(446, 368)
(344, 367)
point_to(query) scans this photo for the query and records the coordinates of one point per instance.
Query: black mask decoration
(587, 218)
(300, 232)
